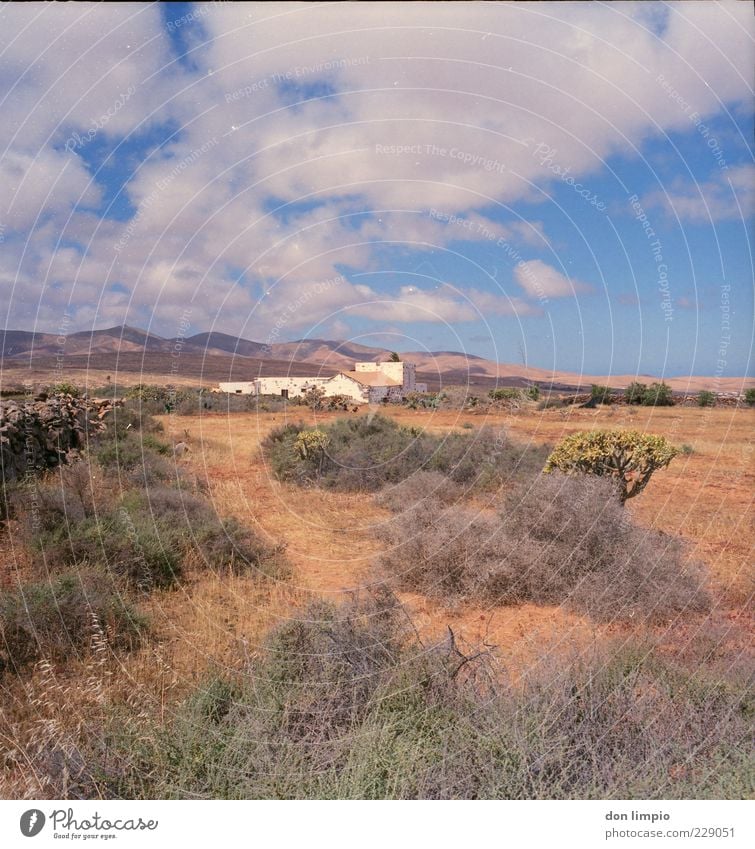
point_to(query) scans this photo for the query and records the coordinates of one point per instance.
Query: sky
(565, 185)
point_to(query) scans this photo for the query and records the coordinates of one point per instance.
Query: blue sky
(443, 177)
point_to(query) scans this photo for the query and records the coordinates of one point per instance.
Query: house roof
(372, 378)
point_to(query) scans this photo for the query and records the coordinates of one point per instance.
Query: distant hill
(216, 353)
(14, 343)
(223, 343)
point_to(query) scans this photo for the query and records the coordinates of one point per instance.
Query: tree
(706, 398)
(394, 358)
(635, 392)
(313, 397)
(658, 395)
(630, 457)
(750, 397)
(601, 394)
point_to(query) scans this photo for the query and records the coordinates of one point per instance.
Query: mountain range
(118, 345)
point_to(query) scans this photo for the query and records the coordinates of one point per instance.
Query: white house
(368, 383)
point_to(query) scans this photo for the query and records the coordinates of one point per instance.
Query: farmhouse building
(367, 383)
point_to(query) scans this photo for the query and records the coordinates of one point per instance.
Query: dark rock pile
(41, 434)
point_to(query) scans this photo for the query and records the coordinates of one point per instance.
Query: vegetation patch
(628, 457)
(349, 703)
(368, 452)
(559, 540)
(58, 619)
(655, 395)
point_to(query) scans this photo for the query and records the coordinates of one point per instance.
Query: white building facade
(368, 383)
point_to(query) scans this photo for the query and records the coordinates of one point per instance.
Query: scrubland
(442, 622)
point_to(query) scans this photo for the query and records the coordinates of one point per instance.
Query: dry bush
(418, 488)
(115, 511)
(562, 540)
(148, 537)
(348, 703)
(54, 619)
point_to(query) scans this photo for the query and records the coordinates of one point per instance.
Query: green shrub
(706, 399)
(750, 397)
(58, 619)
(366, 453)
(601, 394)
(65, 388)
(421, 400)
(505, 394)
(635, 393)
(658, 395)
(533, 393)
(629, 457)
(314, 397)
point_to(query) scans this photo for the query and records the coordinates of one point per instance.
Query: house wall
(295, 385)
(408, 380)
(402, 372)
(244, 387)
(339, 384)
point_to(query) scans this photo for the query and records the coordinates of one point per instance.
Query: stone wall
(41, 434)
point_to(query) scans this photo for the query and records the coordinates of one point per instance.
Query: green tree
(706, 398)
(635, 392)
(394, 357)
(630, 457)
(601, 394)
(750, 397)
(658, 395)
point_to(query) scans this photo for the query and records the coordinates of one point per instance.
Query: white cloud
(728, 195)
(433, 105)
(540, 280)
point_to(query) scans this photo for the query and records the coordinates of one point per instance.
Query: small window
(238, 392)
(284, 393)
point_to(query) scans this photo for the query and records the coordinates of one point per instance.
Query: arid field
(214, 621)
(706, 496)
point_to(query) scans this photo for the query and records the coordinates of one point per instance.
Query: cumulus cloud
(298, 140)
(540, 280)
(728, 195)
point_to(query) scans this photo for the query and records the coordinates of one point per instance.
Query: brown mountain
(213, 352)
